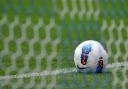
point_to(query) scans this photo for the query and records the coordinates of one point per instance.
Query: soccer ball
(90, 56)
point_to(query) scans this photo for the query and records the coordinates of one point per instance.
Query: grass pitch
(62, 38)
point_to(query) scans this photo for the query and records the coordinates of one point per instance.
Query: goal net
(38, 39)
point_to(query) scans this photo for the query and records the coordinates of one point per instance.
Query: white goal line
(56, 72)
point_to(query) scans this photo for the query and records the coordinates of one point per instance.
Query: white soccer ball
(90, 56)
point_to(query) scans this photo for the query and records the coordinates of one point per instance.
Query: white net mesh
(40, 36)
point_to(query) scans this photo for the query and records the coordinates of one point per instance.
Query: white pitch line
(117, 65)
(37, 74)
(56, 72)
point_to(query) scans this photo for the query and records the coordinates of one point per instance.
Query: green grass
(70, 32)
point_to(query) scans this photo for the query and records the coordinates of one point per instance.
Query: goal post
(38, 39)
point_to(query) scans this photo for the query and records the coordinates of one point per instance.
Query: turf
(41, 43)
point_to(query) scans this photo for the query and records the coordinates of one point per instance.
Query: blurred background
(38, 35)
